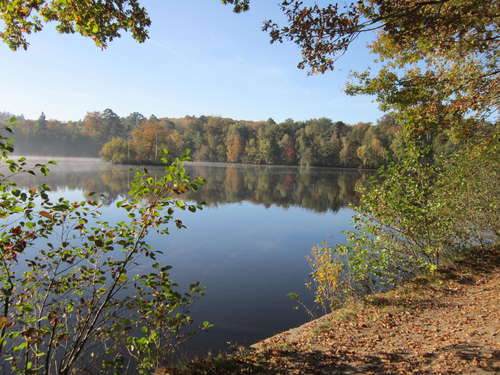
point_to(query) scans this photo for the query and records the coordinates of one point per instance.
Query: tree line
(139, 140)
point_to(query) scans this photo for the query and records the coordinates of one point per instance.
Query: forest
(137, 140)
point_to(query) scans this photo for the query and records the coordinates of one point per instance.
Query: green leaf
(21, 346)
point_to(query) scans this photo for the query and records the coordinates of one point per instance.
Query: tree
(117, 151)
(303, 146)
(267, 145)
(69, 296)
(325, 32)
(439, 81)
(93, 126)
(214, 131)
(113, 124)
(287, 145)
(148, 140)
(132, 121)
(42, 124)
(348, 153)
(372, 152)
(235, 142)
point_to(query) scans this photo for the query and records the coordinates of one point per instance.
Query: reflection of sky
(248, 256)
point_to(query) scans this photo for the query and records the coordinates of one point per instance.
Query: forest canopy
(136, 139)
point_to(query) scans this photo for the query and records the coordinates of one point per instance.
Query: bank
(447, 322)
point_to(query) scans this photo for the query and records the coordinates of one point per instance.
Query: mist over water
(248, 244)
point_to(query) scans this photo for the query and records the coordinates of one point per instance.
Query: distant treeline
(135, 139)
(320, 142)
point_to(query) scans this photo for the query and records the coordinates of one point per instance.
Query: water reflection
(316, 189)
(247, 246)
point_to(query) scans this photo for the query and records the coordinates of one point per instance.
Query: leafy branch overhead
(102, 21)
(323, 33)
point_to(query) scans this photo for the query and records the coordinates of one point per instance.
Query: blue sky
(201, 59)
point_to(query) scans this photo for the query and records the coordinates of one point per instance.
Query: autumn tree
(93, 125)
(287, 146)
(235, 142)
(148, 140)
(439, 80)
(117, 151)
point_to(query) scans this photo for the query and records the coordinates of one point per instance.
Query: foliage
(313, 142)
(101, 21)
(417, 28)
(411, 219)
(470, 188)
(67, 281)
(317, 142)
(325, 277)
(117, 150)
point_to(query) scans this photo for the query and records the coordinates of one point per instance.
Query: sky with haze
(201, 59)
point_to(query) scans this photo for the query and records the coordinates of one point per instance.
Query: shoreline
(447, 322)
(193, 163)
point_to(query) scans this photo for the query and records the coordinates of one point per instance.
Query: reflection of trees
(318, 189)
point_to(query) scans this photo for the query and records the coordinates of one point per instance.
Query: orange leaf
(4, 322)
(46, 214)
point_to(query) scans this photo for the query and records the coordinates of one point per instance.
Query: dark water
(247, 246)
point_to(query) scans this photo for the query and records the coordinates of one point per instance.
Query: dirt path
(448, 323)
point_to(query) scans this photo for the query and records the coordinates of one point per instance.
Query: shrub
(66, 279)
(414, 216)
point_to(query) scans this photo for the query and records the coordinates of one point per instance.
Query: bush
(414, 216)
(67, 287)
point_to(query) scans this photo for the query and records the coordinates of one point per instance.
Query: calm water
(247, 246)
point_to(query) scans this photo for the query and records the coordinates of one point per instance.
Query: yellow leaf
(4, 322)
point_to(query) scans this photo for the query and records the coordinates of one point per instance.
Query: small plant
(67, 287)
(325, 277)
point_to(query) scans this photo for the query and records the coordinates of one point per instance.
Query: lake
(247, 246)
